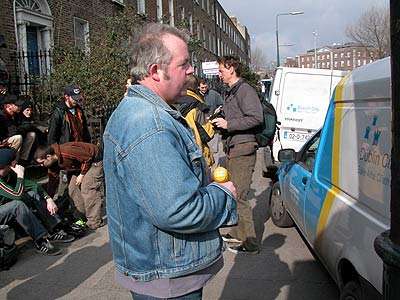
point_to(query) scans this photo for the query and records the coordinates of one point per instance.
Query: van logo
(376, 132)
(302, 109)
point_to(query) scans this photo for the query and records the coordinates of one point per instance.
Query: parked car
(336, 189)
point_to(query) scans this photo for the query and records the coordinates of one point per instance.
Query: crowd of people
(70, 202)
(160, 144)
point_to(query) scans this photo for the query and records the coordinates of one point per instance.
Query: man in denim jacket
(163, 214)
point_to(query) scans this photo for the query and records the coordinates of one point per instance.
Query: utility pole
(315, 48)
(387, 245)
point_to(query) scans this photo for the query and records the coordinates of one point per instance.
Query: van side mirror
(285, 155)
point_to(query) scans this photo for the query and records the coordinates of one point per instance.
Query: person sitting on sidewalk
(77, 158)
(15, 202)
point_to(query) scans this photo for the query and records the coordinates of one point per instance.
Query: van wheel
(352, 291)
(279, 215)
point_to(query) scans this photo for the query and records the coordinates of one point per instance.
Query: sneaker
(227, 238)
(61, 237)
(44, 246)
(80, 223)
(241, 249)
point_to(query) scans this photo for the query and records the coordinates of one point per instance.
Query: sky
(328, 18)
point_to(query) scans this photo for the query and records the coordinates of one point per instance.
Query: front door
(32, 50)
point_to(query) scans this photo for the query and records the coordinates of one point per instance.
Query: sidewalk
(285, 269)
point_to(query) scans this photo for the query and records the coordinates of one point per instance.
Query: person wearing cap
(68, 122)
(9, 132)
(15, 193)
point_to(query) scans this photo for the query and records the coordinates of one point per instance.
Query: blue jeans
(196, 295)
(18, 211)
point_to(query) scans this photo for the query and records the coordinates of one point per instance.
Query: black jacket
(8, 126)
(60, 129)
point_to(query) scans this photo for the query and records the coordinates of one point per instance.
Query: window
(359, 62)
(335, 55)
(118, 1)
(191, 23)
(348, 54)
(348, 63)
(302, 59)
(307, 156)
(327, 56)
(204, 38)
(159, 11)
(358, 53)
(171, 13)
(198, 30)
(217, 16)
(141, 7)
(208, 6)
(342, 63)
(210, 41)
(323, 65)
(218, 47)
(182, 13)
(81, 34)
(341, 55)
(328, 64)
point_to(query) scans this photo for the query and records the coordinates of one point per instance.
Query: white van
(301, 97)
(336, 189)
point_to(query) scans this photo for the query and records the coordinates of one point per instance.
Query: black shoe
(61, 237)
(44, 246)
(227, 238)
(241, 249)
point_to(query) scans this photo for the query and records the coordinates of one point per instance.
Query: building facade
(29, 29)
(338, 57)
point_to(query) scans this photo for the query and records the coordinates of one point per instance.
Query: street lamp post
(315, 48)
(293, 13)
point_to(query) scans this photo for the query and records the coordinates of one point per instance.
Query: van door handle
(304, 180)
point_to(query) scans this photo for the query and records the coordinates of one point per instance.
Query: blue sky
(328, 18)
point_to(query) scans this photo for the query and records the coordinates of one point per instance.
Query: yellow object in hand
(220, 175)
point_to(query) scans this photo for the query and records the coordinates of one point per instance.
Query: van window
(307, 158)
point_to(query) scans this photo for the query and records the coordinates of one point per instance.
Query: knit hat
(26, 104)
(7, 156)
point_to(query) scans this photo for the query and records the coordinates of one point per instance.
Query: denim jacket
(163, 215)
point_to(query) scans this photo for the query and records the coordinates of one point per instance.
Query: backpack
(266, 133)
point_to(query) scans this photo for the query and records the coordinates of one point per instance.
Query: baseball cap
(7, 156)
(74, 91)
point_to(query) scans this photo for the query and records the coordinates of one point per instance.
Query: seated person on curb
(15, 201)
(9, 128)
(27, 125)
(80, 158)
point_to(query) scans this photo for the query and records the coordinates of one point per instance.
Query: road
(285, 268)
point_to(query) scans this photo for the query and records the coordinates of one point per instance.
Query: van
(301, 97)
(336, 189)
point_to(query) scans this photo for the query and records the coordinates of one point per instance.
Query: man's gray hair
(148, 48)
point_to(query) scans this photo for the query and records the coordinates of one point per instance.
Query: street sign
(210, 68)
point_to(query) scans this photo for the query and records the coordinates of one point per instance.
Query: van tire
(352, 291)
(279, 215)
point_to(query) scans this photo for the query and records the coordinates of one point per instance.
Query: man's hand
(79, 179)
(19, 170)
(220, 123)
(4, 143)
(229, 185)
(51, 206)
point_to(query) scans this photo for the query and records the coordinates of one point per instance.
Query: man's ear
(154, 72)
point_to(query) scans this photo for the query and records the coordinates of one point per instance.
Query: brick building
(338, 57)
(33, 26)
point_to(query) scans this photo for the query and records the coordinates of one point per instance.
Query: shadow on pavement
(61, 279)
(260, 211)
(258, 276)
